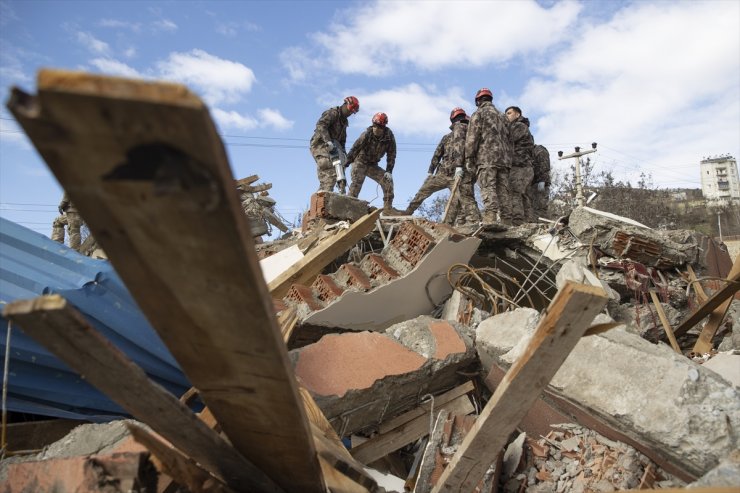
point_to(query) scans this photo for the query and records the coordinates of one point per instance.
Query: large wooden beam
(66, 333)
(726, 292)
(664, 320)
(566, 320)
(704, 342)
(144, 164)
(305, 270)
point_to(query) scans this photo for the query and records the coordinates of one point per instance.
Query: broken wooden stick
(664, 321)
(567, 318)
(145, 166)
(704, 342)
(65, 332)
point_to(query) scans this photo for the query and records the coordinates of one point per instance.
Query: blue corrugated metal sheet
(30, 265)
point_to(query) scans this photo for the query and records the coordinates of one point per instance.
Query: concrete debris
(571, 458)
(642, 319)
(361, 379)
(726, 365)
(726, 474)
(332, 207)
(690, 422)
(364, 295)
(622, 238)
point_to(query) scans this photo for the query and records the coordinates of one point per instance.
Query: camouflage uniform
(331, 127)
(522, 171)
(488, 153)
(365, 156)
(71, 219)
(541, 199)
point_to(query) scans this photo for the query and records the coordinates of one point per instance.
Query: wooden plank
(704, 342)
(664, 321)
(384, 444)
(177, 466)
(144, 164)
(701, 295)
(305, 270)
(423, 409)
(569, 315)
(718, 297)
(65, 332)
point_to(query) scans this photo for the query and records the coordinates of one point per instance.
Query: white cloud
(412, 109)
(92, 43)
(119, 24)
(7, 14)
(231, 28)
(378, 37)
(218, 80)
(273, 118)
(232, 119)
(657, 84)
(129, 52)
(114, 67)
(164, 25)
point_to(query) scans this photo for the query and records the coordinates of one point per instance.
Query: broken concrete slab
(726, 365)
(642, 319)
(685, 413)
(727, 473)
(332, 207)
(621, 237)
(577, 270)
(412, 269)
(361, 379)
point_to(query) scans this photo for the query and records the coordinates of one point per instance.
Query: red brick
(303, 294)
(412, 243)
(376, 267)
(326, 289)
(341, 362)
(352, 277)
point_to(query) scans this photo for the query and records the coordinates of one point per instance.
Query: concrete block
(726, 365)
(687, 414)
(329, 205)
(361, 379)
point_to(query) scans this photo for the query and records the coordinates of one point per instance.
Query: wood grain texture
(664, 320)
(65, 332)
(567, 318)
(144, 164)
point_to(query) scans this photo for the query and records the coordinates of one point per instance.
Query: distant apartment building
(719, 179)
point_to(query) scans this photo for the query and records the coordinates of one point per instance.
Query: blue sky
(656, 84)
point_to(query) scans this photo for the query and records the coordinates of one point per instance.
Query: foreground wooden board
(65, 332)
(147, 170)
(566, 320)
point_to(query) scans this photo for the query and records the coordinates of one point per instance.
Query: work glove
(387, 176)
(541, 186)
(330, 144)
(458, 172)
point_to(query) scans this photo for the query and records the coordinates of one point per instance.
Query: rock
(727, 473)
(727, 365)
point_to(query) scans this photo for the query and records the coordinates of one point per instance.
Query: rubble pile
(571, 458)
(368, 353)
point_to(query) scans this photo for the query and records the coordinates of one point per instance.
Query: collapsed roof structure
(370, 353)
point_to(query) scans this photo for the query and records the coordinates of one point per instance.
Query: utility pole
(580, 199)
(719, 223)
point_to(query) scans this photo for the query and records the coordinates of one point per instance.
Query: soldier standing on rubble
(69, 217)
(377, 140)
(447, 164)
(331, 130)
(488, 157)
(539, 191)
(522, 165)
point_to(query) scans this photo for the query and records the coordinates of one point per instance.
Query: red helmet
(380, 119)
(483, 92)
(353, 104)
(456, 112)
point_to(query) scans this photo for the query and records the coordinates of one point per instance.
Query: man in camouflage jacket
(375, 142)
(448, 162)
(539, 191)
(488, 157)
(522, 169)
(331, 130)
(69, 217)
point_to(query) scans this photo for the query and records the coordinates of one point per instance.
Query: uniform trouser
(325, 171)
(432, 184)
(494, 191)
(540, 201)
(73, 221)
(520, 178)
(375, 172)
